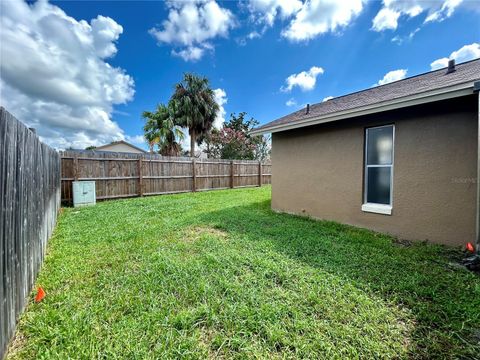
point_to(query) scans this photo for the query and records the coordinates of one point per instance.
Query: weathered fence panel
(30, 200)
(119, 175)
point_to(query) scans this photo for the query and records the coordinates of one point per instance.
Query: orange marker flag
(40, 295)
(470, 247)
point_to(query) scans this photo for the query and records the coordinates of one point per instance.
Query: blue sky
(342, 47)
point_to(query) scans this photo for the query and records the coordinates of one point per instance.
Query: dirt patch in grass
(402, 242)
(211, 343)
(195, 233)
(17, 344)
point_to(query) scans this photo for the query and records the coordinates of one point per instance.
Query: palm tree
(150, 131)
(161, 130)
(194, 106)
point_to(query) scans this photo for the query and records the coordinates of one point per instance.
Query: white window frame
(385, 209)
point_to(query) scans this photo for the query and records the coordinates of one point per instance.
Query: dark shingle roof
(465, 72)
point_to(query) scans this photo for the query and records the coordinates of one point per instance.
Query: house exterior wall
(120, 148)
(318, 171)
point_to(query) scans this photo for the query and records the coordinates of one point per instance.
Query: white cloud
(446, 10)
(465, 53)
(191, 53)
(119, 112)
(191, 25)
(305, 80)
(54, 76)
(291, 102)
(439, 63)
(242, 41)
(221, 99)
(385, 19)
(266, 11)
(392, 10)
(392, 76)
(253, 35)
(327, 98)
(106, 31)
(308, 18)
(317, 17)
(136, 139)
(401, 39)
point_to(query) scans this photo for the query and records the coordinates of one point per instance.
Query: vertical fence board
(260, 176)
(194, 175)
(30, 189)
(140, 176)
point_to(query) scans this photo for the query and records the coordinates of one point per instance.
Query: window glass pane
(379, 146)
(378, 187)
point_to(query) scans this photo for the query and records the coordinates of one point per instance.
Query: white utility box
(84, 193)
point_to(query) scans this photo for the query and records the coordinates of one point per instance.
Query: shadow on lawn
(444, 300)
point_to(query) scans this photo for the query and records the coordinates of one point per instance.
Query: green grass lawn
(218, 274)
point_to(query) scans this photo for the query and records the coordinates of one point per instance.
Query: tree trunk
(192, 142)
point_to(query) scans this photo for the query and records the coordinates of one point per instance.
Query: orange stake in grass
(470, 247)
(40, 295)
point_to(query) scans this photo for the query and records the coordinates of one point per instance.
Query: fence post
(140, 176)
(75, 167)
(259, 173)
(194, 176)
(232, 174)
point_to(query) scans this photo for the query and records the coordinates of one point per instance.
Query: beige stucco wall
(120, 148)
(318, 171)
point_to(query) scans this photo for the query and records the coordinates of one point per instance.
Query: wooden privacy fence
(30, 200)
(119, 175)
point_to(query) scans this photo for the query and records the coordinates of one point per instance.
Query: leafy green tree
(234, 141)
(263, 148)
(161, 130)
(91, 147)
(239, 123)
(194, 107)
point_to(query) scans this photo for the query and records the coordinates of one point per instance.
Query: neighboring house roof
(119, 142)
(200, 154)
(431, 86)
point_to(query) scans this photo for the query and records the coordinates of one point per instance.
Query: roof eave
(120, 142)
(411, 100)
